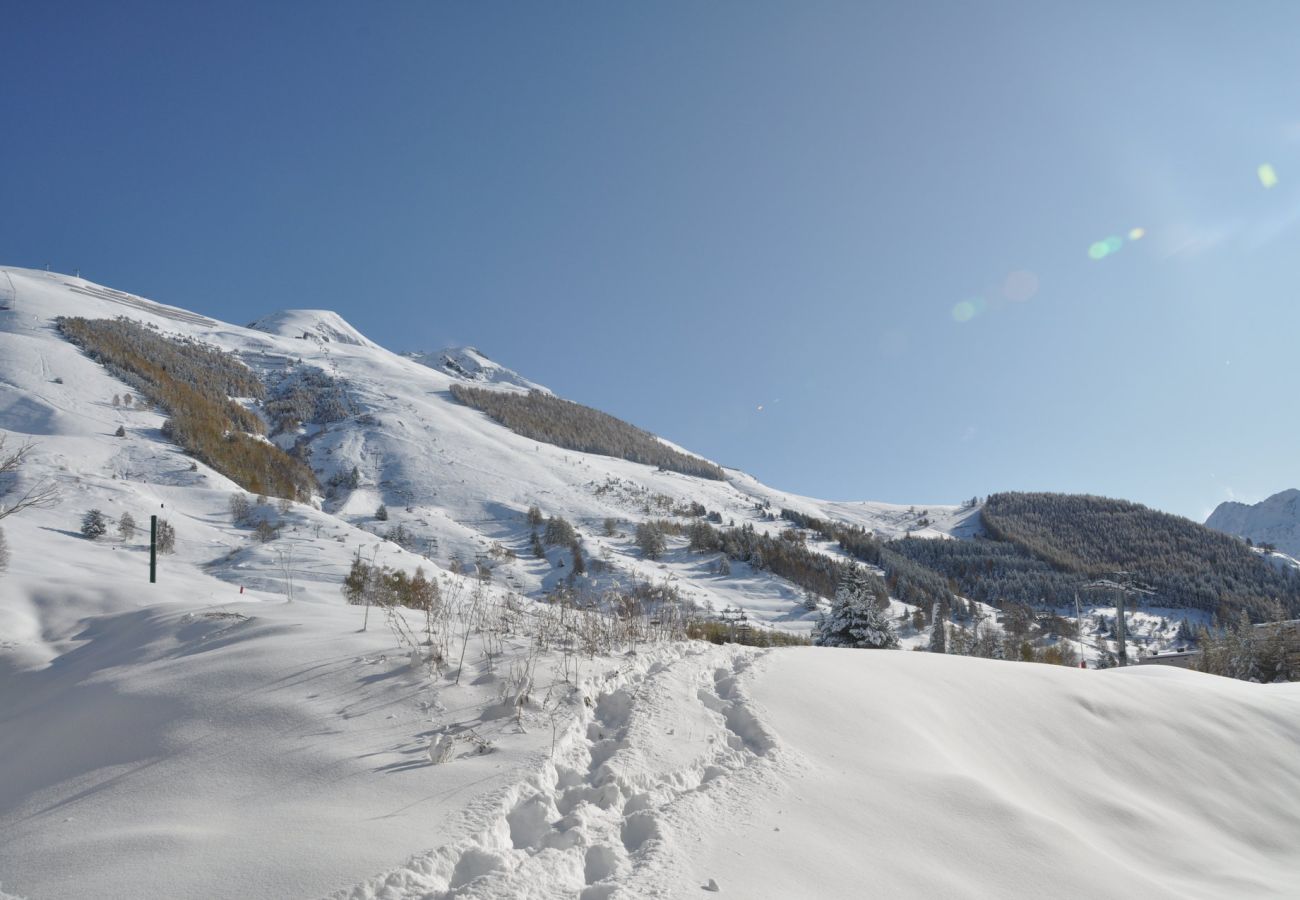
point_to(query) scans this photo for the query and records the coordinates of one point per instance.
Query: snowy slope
(470, 364)
(202, 737)
(1275, 520)
(320, 325)
(924, 776)
(457, 481)
(841, 773)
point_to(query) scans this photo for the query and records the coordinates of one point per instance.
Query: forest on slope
(1041, 549)
(1184, 563)
(547, 418)
(194, 384)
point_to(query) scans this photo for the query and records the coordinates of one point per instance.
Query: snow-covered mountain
(319, 325)
(236, 730)
(471, 364)
(456, 482)
(1274, 520)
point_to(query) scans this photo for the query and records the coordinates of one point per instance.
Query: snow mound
(940, 776)
(470, 364)
(312, 324)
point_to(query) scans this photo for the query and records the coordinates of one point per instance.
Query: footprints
(723, 697)
(473, 864)
(601, 815)
(601, 863)
(530, 821)
(639, 828)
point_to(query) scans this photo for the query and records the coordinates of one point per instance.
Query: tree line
(547, 418)
(906, 579)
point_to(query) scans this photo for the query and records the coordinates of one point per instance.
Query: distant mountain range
(1275, 520)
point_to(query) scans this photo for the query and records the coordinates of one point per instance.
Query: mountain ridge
(1274, 520)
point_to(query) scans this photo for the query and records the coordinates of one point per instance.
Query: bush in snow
(266, 532)
(855, 620)
(559, 532)
(39, 496)
(121, 431)
(382, 513)
(93, 525)
(241, 509)
(126, 526)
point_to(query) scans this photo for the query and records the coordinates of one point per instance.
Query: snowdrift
(910, 775)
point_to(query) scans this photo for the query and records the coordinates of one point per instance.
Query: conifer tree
(93, 525)
(357, 580)
(650, 540)
(854, 619)
(938, 633)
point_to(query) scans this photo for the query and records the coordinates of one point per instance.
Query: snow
(911, 775)
(202, 737)
(319, 325)
(470, 364)
(466, 480)
(1274, 520)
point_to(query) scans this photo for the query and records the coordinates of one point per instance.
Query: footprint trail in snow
(659, 751)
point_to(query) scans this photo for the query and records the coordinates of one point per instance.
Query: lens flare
(1103, 249)
(1267, 175)
(1136, 234)
(964, 311)
(1020, 286)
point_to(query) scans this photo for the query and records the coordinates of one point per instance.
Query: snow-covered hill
(236, 730)
(311, 324)
(458, 483)
(470, 364)
(1274, 520)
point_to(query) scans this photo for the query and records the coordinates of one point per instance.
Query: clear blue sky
(872, 220)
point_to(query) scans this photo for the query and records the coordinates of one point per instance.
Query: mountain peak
(312, 324)
(472, 364)
(1274, 520)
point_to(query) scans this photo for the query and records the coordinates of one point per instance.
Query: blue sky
(843, 246)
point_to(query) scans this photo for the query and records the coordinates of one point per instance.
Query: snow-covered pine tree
(854, 619)
(93, 525)
(938, 633)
